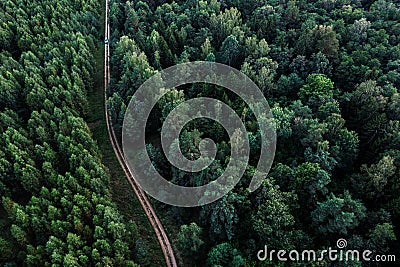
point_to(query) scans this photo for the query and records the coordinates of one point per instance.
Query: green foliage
(338, 215)
(50, 167)
(223, 217)
(320, 38)
(330, 70)
(272, 220)
(224, 255)
(373, 181)
(230, 51)
(381, 236)
(262, 71)
(311, 183)
(189, 239)
(318, 87)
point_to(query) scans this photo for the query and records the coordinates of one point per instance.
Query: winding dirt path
(155, 222)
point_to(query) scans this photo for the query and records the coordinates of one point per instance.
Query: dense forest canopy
(56, 207)
(330, 71)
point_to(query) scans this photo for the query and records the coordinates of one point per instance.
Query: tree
(262, 71)
(6, 248)
(359, 30)
(318, 87)
(310, 183)
(321, 64)
(230, 51)
(135, 69)
(206, 48)
(338, 215)
(223, 24)
(371, 183)
(265, 20)
(288, 86)
(292, 12)
(132, 19)
(381, 236)
(189, 239)
(283, 119)
(273, 221)
(169, 101)
(222, 217)
(224, 255)
(11, 88)
(322, 39)
(156, 42)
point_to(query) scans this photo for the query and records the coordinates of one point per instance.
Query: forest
(56, 207)
(330, 70)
